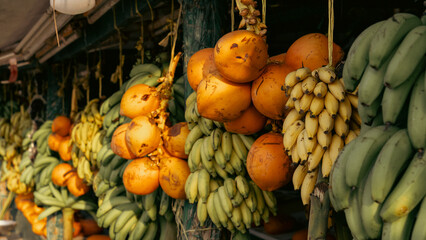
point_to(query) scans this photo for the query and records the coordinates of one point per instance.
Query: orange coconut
(173, 175)
(268, 91)
(118, 142)
(65, 149)
(141, 176)
(311, 50)
(76, 185)
(280, 58)
(174, 139)
(139, 100)
(267, 162)
(61, 174)
(250, 122)
(200, 65)
(142, 136)
(240, 56)
(61, 125)
(221, 100)
(54, 140)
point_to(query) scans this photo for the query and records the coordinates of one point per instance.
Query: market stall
(199, 119)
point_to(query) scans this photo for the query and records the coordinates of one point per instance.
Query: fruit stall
(212, 119)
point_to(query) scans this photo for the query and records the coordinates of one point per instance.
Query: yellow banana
(351, 136)
(345, 110)
(326, 122)
(299, 174)
(305, 102)
(191, 187)
(246, 215)
(317, 105)
(331, 104)
(225, 201)
(291, 134)
(297, 106)
(310, 144)
(223, 218)
(301, 149)
(309, 84)
(324, 139)
(296, 91)
(308, 186)
(203, 183)
(303, 73)
(315, 158)
(324, 74)
(292, 117)
(289, 104)
(353, 99)
(290, 80)
(211, 210)
(294, 154)
(311, 125)
(213, 185)
(336, 146)
(320, 89)
(336, 88)
(202, 212)
(356, 118)
(326, 164)
(340, 127)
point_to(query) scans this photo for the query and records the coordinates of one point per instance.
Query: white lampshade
(73, 7)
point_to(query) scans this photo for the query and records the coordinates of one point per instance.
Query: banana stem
(320, 208)
(68, 215)
(6, 204)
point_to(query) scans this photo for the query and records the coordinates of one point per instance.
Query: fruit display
(377, 179)
(321, 120)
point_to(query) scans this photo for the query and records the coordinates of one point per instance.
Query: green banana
(226, 145)
(140, 229)
(208, 148)
(230, 187)
(357, 58)
(191, 187)
(251, 200)
(202, 212)
(216, 138)
(391, 162)
(340, 192)
(194, 157)
(149, 200)
(129, 225)
(400, 228)
(125, 215)
(260, 200)
(419, 230)
(353, 216)
(164, 203)
(222, 216)
(246, 215)
(225, 201)
(203, 185)
(111, 102)
(247, 140)
(370, 211)
(151, 231)
(239, 147)
(219, 157)
(48, 211)
(417, 114)
(408, 192)
(145, 68)
(237, 200)
(109, 203)
(394, 99)
(211, 210)
(368, 113)
(242, 186)
(366, 149)
(408, 55)
(236, 162)
(389, 35)
(192, 137)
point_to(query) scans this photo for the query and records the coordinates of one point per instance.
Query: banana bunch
(54, 199)
(8, 108)
(321, 120)
(14, 131)
(218, 180)
(86, 139)
(386, 53)
(382, 172)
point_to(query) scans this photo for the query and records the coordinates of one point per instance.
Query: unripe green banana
(370, 211)
(353, 216)
(400, 228)
(203, 184)
(225, 201)
(202, 212)
(226, 145)
(221, 214)
(211, 209)
(419, 230)
(242, 186)
(230, 187)
(417, 115)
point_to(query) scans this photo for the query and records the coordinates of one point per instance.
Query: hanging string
(150, 10)
(175, 34)
(232, 15)
(264, 11)
(140, 43)
(121, 60)
(100, 77)
(330, 31)
(56, 26)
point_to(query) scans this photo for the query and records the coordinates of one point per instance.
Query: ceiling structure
(16, 19)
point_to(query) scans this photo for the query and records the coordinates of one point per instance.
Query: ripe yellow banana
(309, 84)
(301, 149)
(320, 89)
(315, 158)
(351, 136)
(289, 104)
(308, 186)
(203, 183)
(336, 146)
(345, 110)
(303, 73)
(292, 117)
(353, 99)
(341, 127)
(311, 125)
(290, 136)
(310, 144)
(331, 104)
(296, 91)
(317, 105)
(323, 138)
(305, 102)
(356, 118)
(299, 174)
(297, 106)
(326, 122)
(336, 88)
(324, 74)
(290, 80)
(294, 154)
(326, 164)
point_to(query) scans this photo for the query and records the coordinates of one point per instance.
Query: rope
(264, 11)
(330, 31)
(150, 10)
(141, 38)
(175, 33)
(120, 75)
(56, 26)
(232, 15)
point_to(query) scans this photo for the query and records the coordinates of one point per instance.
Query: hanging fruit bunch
(85, 142)
(383, 170)
(138, 209)
(12, 133)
